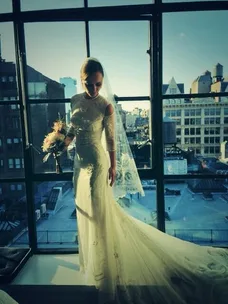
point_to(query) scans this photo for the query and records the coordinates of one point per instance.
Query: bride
(127, 260)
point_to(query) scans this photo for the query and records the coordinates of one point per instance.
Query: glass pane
(13, 214)
(184, 50)
(135, 116)
(48, 113)
(122, 51)
(195, 135)
(11, 149)
(197, 210)
(28, 5)
(54, 60)
(56, 215)
(142, 207)
(117, 2)
(8, 81)
(6, 6)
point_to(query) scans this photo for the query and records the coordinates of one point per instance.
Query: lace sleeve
(109, 126)
(71, 131)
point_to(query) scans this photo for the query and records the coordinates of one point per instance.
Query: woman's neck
(86, 96)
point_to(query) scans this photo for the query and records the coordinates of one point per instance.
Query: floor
(50, 269)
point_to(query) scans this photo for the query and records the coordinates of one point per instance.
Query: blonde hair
(90, 65)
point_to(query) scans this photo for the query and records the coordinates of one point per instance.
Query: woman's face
(93, 84)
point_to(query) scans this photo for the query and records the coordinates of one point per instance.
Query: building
(70, 89)
(202, 123)
(42, 117)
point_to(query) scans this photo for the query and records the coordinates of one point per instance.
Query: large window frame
(153, 14)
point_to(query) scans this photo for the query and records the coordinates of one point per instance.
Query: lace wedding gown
(126, 259)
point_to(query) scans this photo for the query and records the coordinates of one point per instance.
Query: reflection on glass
(122, 51)
(135, 117)
(196, 210)
(27, 5)
(186, 68)
(13, 214)
(8, 81)
(93, 3)
(5, 6)
(195, 132)
(54, 60)
(42, 118)
(11, 149)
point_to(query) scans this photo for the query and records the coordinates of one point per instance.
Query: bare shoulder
(109, 110)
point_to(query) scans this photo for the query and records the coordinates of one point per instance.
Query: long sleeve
(109, 126)
(71, 130)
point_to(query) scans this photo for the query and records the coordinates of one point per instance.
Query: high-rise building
(41, 117)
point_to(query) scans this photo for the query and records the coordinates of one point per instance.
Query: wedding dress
(127, 260)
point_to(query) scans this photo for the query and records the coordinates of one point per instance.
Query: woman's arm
(109, 125)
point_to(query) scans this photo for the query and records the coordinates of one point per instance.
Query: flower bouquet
(54, 143)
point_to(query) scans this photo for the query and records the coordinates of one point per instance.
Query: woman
(126, 259)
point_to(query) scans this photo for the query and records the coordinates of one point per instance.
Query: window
(10, 163)
(4, 79)
(172, 91)
(19, 187)
(186, 121)
(0, 142)
(198, 140)
(17, 163)
(1, 163)
(9, 141)
(217, 140)
(186, 131)
(192, 131)
(212, 140)
(198, 131)
(198, 112)
(13, 107)
(178, 131)
(12, 187)
(11, 78)
(186, 112)
(16, 140)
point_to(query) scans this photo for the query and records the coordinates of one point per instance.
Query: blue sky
(192, 43)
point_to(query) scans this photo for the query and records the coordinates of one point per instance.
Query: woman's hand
(112, 175)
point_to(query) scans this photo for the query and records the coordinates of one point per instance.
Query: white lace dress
(126, 259)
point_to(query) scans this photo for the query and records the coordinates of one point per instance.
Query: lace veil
(127, 178)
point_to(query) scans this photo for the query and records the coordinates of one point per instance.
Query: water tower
(217, 73)
(169, 131)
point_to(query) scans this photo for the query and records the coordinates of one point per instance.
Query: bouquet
(54, 143)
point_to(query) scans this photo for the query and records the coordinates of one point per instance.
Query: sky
(193, 42)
